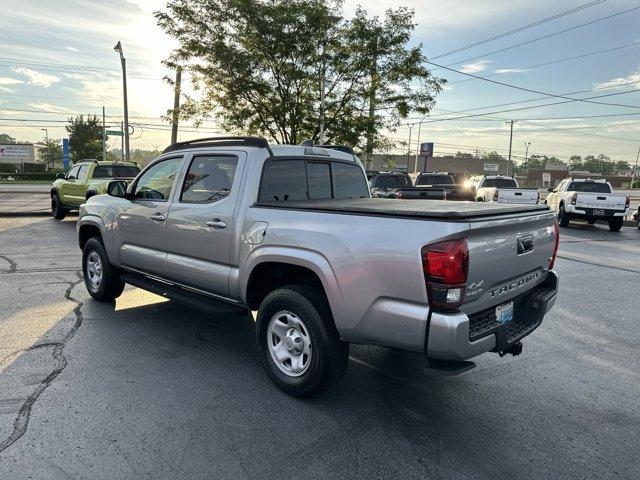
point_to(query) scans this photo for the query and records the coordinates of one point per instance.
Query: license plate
(504, 312)
(598, 212)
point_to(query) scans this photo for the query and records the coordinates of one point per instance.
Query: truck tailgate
(604, 201)
(507, 257)
(517, 195)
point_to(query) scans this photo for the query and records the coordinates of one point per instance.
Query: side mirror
(59, 175)
(550, 190)
(117, 188)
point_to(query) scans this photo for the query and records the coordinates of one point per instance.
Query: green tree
(537, 162)
(258, 68)
(85, 137)
(492, 156)
(575, 162)
(51, 153)
(6, 138)
(463, 155)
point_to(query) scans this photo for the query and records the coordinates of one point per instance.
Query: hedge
(29, 176)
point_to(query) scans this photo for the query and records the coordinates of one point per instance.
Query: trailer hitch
(515, 350)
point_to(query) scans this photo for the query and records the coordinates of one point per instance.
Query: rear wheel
(591, 221)
(57, 211)
(615, 225)
(100, 277)
(563, 217)
(297, 341)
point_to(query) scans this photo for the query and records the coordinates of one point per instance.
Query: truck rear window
(116, 171)
(434, 180)
(593, 187)
(391, 181)
(284, 180)
(499, 183)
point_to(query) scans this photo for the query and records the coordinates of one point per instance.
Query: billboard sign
(491, 167)
(17, 153)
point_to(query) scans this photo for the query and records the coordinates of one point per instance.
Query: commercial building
(461, 167)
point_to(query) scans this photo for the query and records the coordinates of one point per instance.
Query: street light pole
(123, 62)
(409, 148)
(46, 146)
(415, 164)
(526, 159)
(510, 143)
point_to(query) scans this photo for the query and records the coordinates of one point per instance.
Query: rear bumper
(588, 212)
(457, 336)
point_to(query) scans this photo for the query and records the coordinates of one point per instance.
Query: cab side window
(73, 173)
(156, 182)
(82, 173)
(209, 179)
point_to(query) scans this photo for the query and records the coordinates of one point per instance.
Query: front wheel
(297, 342)
(100, 277)
(563, 217)
(57, 211)
(615, 225)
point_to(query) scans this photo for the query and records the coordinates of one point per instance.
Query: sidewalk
(16, 204)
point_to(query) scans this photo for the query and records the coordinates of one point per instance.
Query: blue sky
(57, 58)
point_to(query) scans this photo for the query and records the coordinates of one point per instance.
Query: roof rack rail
(220, 142)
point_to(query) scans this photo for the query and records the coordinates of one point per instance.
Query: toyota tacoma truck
(84, 180)
(435, 186)
(290, 234)
(588, 200)
(502, 190)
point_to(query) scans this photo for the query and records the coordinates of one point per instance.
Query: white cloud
(5, 89)
(37, 78)
(630, 80)
(47, 107)
(474, 67)
(508, 70)
(9, 81)
(72, 49)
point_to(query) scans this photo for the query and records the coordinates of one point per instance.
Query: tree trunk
(373, 90)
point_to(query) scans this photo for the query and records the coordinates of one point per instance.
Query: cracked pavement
(151, 388)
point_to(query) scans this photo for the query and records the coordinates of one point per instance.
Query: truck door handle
(158, 217)
(216, 223)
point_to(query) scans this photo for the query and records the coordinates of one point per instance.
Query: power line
(486, 54)
(530, 90)
(519, 29)
(553, 62)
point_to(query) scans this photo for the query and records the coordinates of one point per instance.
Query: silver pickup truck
(290, 234)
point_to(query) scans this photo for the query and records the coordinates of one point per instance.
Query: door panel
(200, 223)
(141, 223)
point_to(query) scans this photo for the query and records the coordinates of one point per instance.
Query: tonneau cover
(407, 208)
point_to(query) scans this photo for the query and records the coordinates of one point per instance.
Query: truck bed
(435, 209)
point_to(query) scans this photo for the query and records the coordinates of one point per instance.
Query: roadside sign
(426, 149)
(116, 133)
(65, 153)
(491, 167)
(546, 178)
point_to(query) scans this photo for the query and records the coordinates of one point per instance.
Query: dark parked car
(386, 184)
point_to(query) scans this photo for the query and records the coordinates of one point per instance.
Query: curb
(25, 214)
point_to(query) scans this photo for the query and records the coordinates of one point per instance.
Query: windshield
(115, 171)
(391, 181)
(594, 187)
(435, 180)
(500, 183)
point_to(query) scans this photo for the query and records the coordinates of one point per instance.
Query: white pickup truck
(589, 200)
(502, 190)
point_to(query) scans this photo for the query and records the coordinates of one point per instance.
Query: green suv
(84, 180)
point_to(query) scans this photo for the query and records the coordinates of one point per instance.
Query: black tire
(329, 356)
(591, 221)
(615, 225)
(110, 286)
(563, 217)
(57, 211)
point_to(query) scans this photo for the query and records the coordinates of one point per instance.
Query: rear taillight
(627, 203)
(495, 195)
(574, 198)
(445, 266)
(556, 243)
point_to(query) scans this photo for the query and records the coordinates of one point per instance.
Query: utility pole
(104, 138)
(123, 62)
(176, 106)
(510, 143)
(415, 164)
(635, 169)
(323, 74)
(122, 141)
(46, 146)
(409, 148)
(526, 159)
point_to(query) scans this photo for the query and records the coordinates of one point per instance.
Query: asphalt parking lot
(150, 388)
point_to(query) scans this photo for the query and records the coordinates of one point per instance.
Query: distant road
(25, 187)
